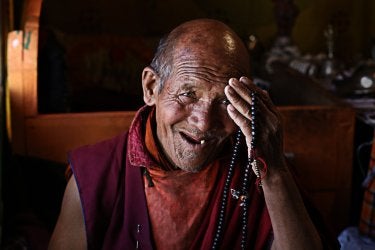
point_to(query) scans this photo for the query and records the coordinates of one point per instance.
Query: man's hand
(268, 131)
(288, 214)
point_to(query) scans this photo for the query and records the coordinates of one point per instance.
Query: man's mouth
(194, 140)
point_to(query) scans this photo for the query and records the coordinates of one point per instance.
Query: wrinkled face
(191, 109)
(192, 123)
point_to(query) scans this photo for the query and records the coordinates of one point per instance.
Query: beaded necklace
(242, 194)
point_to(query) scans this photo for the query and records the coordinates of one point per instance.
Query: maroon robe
(111, 187)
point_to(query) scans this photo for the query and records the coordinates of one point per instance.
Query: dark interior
(90, 58)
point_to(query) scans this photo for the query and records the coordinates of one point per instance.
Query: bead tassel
(245, 184)
(220, 224)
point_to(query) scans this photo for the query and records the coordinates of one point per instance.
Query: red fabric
(367, 220)
(177, 204)
(113, 207)
(182, 206)
(175, 224)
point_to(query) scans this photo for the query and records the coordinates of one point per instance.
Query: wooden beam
(31, 10)
(16, 92)
(53, 136)
(30, 56)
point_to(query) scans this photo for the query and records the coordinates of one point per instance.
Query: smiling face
(191, 109)
(191, 106)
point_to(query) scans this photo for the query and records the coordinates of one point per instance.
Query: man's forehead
(211, 69)
(193, 72)
(193, 85)
(221, 59)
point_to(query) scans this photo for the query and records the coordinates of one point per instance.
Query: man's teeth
(192, 140)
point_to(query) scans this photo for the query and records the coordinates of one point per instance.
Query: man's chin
(191, 169)
(194, 162)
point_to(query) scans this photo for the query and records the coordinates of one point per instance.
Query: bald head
(202, 39)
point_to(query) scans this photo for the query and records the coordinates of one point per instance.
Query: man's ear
(150, 82)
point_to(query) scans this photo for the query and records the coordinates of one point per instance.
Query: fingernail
(231, 82)
(230, 107)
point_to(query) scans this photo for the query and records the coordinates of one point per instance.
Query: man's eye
(188, 94)
(187, 97)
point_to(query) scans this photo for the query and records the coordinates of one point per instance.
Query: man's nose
(203, 117)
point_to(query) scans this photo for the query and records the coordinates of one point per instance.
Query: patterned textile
(367, 220)
(350, 239)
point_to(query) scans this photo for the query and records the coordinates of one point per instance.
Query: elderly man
(182, 177)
